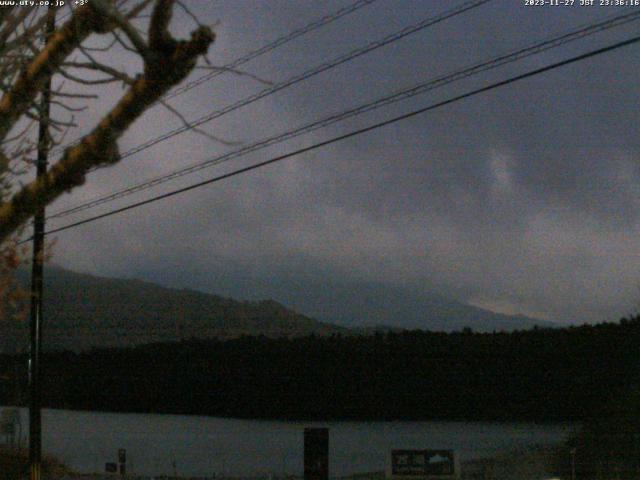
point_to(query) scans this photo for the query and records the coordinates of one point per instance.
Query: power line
(387, 40)
(314, 25)
(354, 133)
(423, 87)
(271, 46)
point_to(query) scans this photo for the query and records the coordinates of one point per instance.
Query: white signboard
(423, 464)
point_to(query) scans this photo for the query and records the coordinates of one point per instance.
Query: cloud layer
(524, 199)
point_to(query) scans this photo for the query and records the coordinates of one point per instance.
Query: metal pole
(35, 420)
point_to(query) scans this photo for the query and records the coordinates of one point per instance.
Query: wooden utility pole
(35, 346)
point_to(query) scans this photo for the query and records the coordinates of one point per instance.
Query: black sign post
(122, 460)
(316, 454)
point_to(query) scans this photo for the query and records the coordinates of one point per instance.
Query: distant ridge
(374, 306)
(85, 311)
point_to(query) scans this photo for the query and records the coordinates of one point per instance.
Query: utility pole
(35, 419)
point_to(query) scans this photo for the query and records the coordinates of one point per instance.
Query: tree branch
(159, 37)
(135, 38)
(17, 100)
(171, 62)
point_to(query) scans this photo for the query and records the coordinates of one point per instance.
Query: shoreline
(536, 462)
(314, 419)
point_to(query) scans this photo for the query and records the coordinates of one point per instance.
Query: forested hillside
(84, 311)
(546, 375)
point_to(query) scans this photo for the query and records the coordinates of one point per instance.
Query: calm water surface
(202, 446)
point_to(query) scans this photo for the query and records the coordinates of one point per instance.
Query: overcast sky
(521, 200)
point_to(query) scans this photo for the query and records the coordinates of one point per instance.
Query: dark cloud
(523, 199)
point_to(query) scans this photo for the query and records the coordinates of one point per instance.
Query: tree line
(563, 374)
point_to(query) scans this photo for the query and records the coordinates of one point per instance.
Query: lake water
(204, 446)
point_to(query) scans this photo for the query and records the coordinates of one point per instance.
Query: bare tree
(77, 56)
(27, 61)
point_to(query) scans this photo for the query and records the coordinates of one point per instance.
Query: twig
(186, 123)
